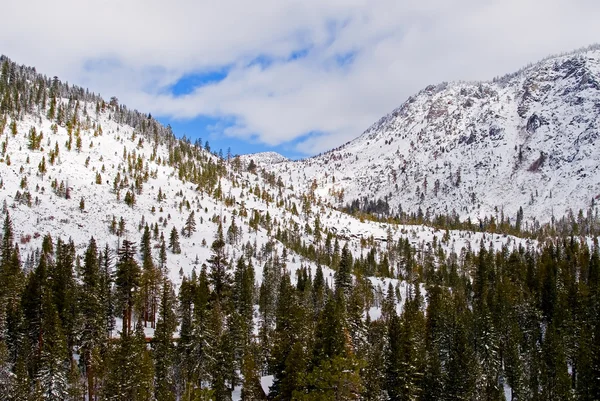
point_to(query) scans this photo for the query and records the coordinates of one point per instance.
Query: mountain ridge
(540, 120)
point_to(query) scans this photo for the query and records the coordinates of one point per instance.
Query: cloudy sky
(298, 77)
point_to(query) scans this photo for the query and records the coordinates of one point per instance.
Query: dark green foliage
(174, 241)
(130, 373)
(220, 278)
(92, 335)
(163, 347)
(343, 277)
(52, 369)
(190, 225)
(127, 282)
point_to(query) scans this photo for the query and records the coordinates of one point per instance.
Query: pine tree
(31, 301)
(62, 278)
(460, 382)
(330, 332)
(130, 373)
(243, 298)
(251, 387)
(91, 328)
(220, 358)
(343, 277)
(162, 257)
(42, 167)
(6, 376)
(76, 385)
(106, 298)
(318, 291)
(335, 378)
(164, 349)
(286, 334)
(405, 354)
(11, 286)
(150, 280)
(7, 243)
(127, 281)
(190, 225)
(555, 380)
(52, 373)
(220, 278)
(22, 386)
(293, 377)
(174, 241)
(129, 198)
(487, 350)
(185, 359)
(374, 372)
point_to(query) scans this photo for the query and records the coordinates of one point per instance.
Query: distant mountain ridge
(526, 140)
(264, 158)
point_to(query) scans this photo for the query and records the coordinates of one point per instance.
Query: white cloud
(397, 48)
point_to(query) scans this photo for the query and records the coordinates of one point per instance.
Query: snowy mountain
(528, 140)
(73, 165)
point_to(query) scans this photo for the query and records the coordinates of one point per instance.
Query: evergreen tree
(335, 378)
(185, 359)
(127, 281)
(6, 245)
(164, 349)
(130, 373)
(51, 375)
(251, 387)
(91, 333)
(243, 298)
(190, 225)
(64, 290)
(150, 280)
(106, 298)
(31, 302)
(221, 356)
(460, 382)
(343, 277)
(174, 241)
(555, 380)
(162, 257)
(287, 333)
(220, 278)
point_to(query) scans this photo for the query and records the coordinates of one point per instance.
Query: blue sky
(202, 128)
(206, 128)
(298, 76)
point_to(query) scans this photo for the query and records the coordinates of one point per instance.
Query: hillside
(136, 266)
(526, 140)
(99, 152)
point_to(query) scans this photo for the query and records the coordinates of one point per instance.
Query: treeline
(585, 223)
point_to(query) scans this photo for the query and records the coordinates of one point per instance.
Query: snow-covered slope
(529, 139)
(98, 152)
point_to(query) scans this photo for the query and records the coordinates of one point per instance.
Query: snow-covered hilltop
(265, 158)
(528, 140)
